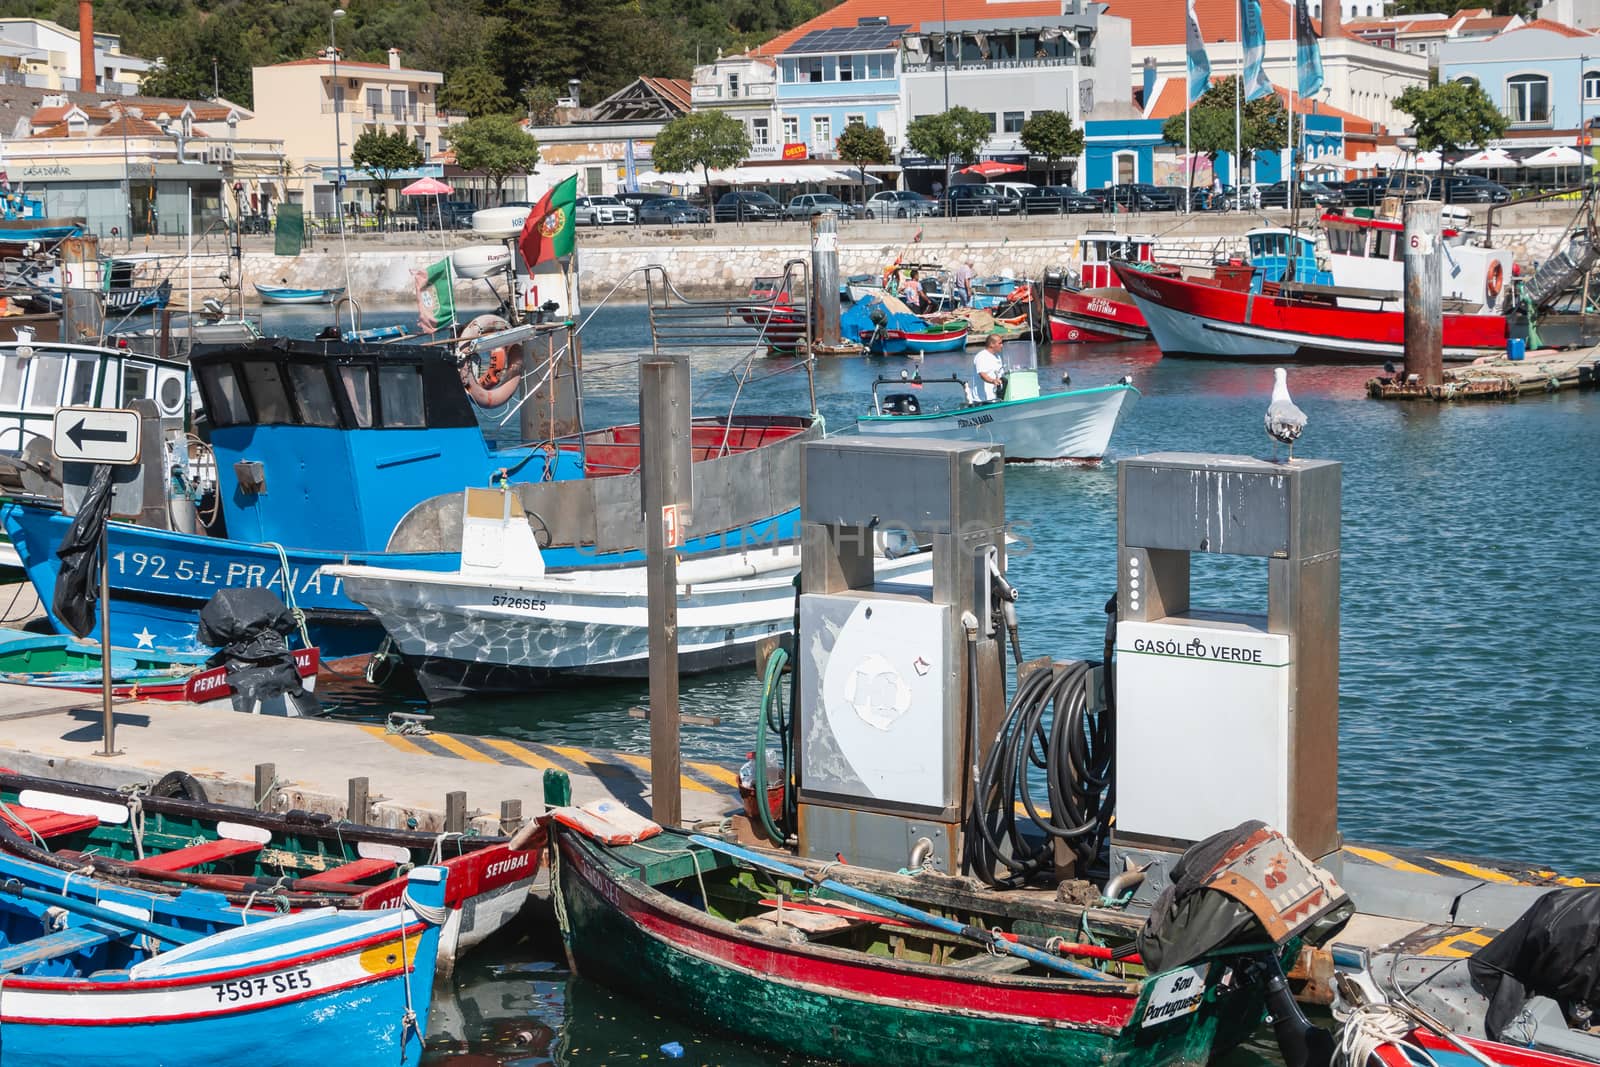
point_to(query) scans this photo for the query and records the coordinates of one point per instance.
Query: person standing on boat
(911, 293)
(963, 283)
(988, 371)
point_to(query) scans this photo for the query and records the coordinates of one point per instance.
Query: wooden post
(455, 812)
(359, 804)
(665, 476)
(266, 774)
(824, 295)
(1424, 317)
(510, 816)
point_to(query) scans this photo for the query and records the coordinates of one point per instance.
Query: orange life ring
(494, 385)
(1493, 283)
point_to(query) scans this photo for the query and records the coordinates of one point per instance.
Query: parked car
(601, 211)
(1467, 189)
(1368, 192)
(672, 209)
(1312, 193)
(639, 200)
(1015, 192)
(1131, 196)
(747, 206)
(807, 205)
(900, 204)
(453, 214)
(977, 199)
(1057, 200)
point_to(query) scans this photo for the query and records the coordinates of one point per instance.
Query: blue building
(1543, 76)
(830, 78)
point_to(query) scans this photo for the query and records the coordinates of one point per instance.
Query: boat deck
(1500, 378)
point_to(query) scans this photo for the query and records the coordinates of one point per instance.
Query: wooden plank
(197, 855)
(52, 946)
(346, 873)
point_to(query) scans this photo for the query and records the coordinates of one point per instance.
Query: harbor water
(1468, 721)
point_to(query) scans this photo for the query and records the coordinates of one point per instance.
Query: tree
(1264, 125)
(702, 139)
(475, 91)
(859, 145)
(197, 65)
(954, 134)
(382, 155)
(1451, 115)
(1050, 134)
(497, 145)
(541, 103)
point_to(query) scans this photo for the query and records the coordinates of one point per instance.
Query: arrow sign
(96, 435)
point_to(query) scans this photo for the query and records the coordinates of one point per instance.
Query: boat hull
(854, 1008)
(949, 341)
(1072, 425)
(1094, 315)
(272, 294)
(1193, 319)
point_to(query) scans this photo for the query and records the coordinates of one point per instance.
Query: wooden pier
(1498, 377)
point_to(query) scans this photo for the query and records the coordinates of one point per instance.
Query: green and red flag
(436, 300)
(548, 232)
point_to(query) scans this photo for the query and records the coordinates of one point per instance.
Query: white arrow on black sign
(96, 435)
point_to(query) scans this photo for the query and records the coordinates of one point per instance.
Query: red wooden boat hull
(203, 687)
(1086, 316)
(1192, 318)
(1445, 1054)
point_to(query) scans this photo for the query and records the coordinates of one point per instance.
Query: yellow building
(308, 104)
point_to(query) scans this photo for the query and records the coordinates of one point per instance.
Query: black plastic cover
(1552, 950)
(77, 592)
(252, 625)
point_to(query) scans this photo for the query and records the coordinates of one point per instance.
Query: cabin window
(400, 388)
(80, 390)
(1384, 247)
(135, 382)
(313, 395)
(358, 391)
(267, 392)
(227, 398)
(11, 382)
(170, 393)
(1358, 243)
(44, 389)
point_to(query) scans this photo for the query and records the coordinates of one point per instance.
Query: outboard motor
(902, 404)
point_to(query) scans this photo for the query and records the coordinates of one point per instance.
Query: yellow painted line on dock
(1488, 874)
(1384, 859)
(397, 740)
(519, 753)
(711, 770)
(458, 748)
(1459, 946)
(643, 762)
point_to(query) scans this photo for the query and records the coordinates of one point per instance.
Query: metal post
(824, 292)
(108, 723)
(1424, 345)
(664, 437)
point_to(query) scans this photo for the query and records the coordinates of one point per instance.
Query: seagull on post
(1285, 422)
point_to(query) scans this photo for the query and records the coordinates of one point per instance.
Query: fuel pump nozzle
(1004, 601)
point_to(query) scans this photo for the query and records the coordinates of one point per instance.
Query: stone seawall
(720, 261)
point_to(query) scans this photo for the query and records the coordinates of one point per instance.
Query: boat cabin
(36, 378)
(329, 444)
(1270, 251)
(1097, 248)
(1367, 252)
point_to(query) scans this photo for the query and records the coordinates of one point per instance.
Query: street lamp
(338, 147)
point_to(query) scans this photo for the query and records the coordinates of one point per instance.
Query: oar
(170, 934)
(905, 911)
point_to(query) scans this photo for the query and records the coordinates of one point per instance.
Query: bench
(25, 822)
(345, 874)
(53, 946)
(197, 855)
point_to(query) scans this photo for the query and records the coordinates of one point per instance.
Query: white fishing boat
(502, 624)
(1074, 424)
(288, 294)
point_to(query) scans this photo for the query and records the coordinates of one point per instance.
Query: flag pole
(1188, 154)
(1238, 112)
(1293, 188)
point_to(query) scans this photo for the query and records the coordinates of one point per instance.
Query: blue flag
(1308, 53)
(1199, 64)
(1255, 48)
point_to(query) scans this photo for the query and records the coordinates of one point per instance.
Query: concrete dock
(1499, 378)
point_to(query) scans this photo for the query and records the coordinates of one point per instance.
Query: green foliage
(1451, 115)
(703, 139)
(959, 132)
(1264, 125)
(380, 154)
(187, 71)
(475, 91)
(497, 145)
(540, 100)
(860, 145)
(1050, 134)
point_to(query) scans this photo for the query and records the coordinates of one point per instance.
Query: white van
(1013, 191)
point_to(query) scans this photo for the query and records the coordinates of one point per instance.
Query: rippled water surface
(1469, 701)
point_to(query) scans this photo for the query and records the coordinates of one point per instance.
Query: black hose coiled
(1075, 752)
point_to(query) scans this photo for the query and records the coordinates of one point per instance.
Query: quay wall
(720, 260)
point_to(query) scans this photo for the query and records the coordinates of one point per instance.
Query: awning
(789, 174)
(1491, 158)
(1558, 156)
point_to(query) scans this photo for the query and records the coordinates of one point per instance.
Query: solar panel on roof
(848, 39)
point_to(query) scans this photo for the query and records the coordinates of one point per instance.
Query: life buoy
(493, 385)
(1493, 283)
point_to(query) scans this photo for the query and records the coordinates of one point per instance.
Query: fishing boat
(932, 340)
(288, 294)
(779, 322)
(1220, 317)
(837, 962)
(260, 859)
(505, 624)
(108, 983)
(1074, 424)
(1088, 305)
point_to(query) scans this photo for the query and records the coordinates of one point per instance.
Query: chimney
(394, 59)
(1331, 13)
(86, 72)
(1147, 95)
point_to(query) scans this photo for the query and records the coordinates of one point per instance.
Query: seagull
(1285, 422)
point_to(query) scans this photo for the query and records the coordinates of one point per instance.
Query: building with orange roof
(1543, 76)
(312, 104)
(1579, 14)
(1425, 34)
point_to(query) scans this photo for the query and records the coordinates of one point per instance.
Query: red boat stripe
(241, 1009)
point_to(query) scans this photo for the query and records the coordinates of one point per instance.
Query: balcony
(421, 114)
(719, 93)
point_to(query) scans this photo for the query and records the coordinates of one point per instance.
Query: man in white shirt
(987, 370)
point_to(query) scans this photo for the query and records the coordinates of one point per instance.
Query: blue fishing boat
(323, 448)
(117, 982)
(288, 294)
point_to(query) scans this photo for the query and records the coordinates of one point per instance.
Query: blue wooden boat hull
(277, 294)
(160, 579)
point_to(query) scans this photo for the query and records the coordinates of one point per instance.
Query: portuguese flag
(436, 305)
(548, 233)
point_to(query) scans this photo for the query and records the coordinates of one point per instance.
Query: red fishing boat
(1096, 308)
(1219, 317)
